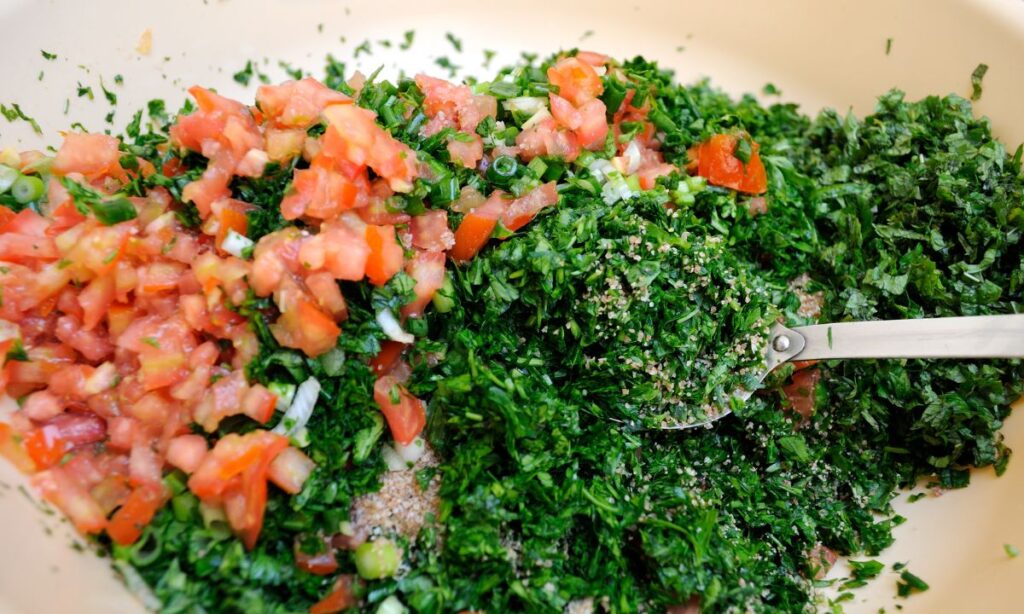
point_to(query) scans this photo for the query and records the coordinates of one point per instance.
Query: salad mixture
(406, 346)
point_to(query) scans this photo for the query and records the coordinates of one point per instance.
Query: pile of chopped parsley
(563, 344)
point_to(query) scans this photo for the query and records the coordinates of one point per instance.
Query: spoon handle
(999, 336)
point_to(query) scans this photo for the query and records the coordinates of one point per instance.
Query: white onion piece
(235, 243)
(537, 118)
(526, 104)
(285, 393)
(632, 155)
(389, 324)
(392, 459)
(600, 70)
(412, 452)
(298, 413)
(600, 169)
(391, 605)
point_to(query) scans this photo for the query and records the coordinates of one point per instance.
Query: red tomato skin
(290, 470)
(386, 255)
(430, 231)
(477, 226)
(387, 358)
(407, 417)
(577, 81)
(68, 496)
(186, 452)
(800, 392)
(523, 209)
(466, 153)
(717, 163)
(427, 269)
(92, 155)
(341, 597)
(320, 564)
(125, 526)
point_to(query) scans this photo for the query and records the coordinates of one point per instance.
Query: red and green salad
(407, 345)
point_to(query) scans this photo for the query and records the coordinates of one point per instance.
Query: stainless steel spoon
(962, 337)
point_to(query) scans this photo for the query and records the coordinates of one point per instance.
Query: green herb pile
(558, 347)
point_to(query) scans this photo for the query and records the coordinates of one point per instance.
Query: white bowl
(817, 53)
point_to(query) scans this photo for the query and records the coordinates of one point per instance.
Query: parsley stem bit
(999, 336)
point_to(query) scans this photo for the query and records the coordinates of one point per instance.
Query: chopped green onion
(147, 550)
(8, 176)
(175, 482)
(538, 167)
(377, 559)
(502, 171)
(184, 506)
(444, 298)
(366, 438)
(27, 188)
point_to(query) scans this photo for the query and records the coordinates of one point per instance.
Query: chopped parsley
(976, 76)
(455, 42)
(407, 39)
(14, 112)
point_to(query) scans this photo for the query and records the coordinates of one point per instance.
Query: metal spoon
(962, 337)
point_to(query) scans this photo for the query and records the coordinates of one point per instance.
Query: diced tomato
(717, 162)
(467, 150)
(546, 139)
(564, 112)
(258, 403)
(92, 155)
(385, 257)
(327, 294)
(290, 470)
(297, 104)
(186, 452)
(477, 226)
(577, 81)
(303, 325)
(283, 145)
(232, 455)
(523, 209)
(6, 215)
(161, 369)
(800, 392)
(321, 563)
(341, 597)
(100, 248)
(48, 443)
(592, 57)
(430, 231)
(427, 269)
(389, 355)
(231, 215)
(125, 526)
(69, 497)
(211, 186)
(593, 129)
(95, 300)
(12, 448)
(404, 413)
(64, 214)
(469, 198)
(42, 405)
(323, 193)
(145, 467)
(25, 248)
(353, 135)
